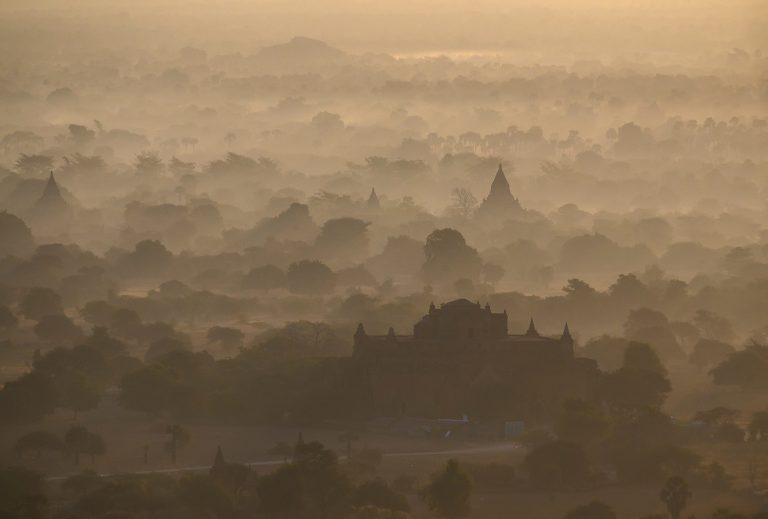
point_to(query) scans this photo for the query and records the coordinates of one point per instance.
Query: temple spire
(373, 200)
(360, 332)
(500, 199)
(51, 188)
(500, 186)
(532, 332)
(566, 334)
(219, 461)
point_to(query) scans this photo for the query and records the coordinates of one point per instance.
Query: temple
(373, 200)
(500, 202)
(462, 360)
(51, 214)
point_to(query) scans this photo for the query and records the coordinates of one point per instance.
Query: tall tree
(675, 494)
(449, 491)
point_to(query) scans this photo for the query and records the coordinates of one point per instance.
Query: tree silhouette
(448, 257)
(179, 438)
(593, 510)
(229, 338)
(758, 426)
(37, 442)
(310, 277)
(22, 494)
(265, 278)
(39, 302)
(34, 165)
(15, 235)
(675, 494)
(57, 327)
(28, 398)
(148, 165)
(448, 493)
(79, 440)
(463, 202)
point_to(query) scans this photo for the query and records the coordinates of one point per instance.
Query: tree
(675, 494)
(37, 442)
(28, 398)
(744, 368)
(581, 422)
(758, 426)
(640, 356)
(7, 319)
(179, 438)
(281, 449)
(149, 165)
(39, 302)
(717, 416)
(310, 277)
(448, 257)
(179, 168)
(643, 318)
(22, 494)
(593, 510)
(34, 165)
(709, 352)
(347, 438)
(228, 338)
(634, 388)
(79, 393)
(310, 486)
(343, 238)
(378, 493)
(448, 493)
(606, 350)
(57, 327)
(15, 236)
(463, 202)
(147, 390)
(713, 326)
(79, 440)
(98, 313)
(266, 278)
(164, 346)
(556, 464)
(492, 273)
(280, 491)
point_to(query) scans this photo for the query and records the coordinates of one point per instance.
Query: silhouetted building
(462, 360)
(373, 200)
(500, 202)
(51, 215)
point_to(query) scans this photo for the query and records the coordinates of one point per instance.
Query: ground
(128, 432)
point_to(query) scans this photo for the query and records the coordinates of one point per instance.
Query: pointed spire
(360, 332)
(487, 306)
(51, 188)
(532, 330)
(373, 200)
(391, 337)
(566, 334)
(500, 186)
(219, 460)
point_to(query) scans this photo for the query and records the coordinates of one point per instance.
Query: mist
(356, 259)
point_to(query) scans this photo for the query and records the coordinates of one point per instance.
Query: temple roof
(51, 189)
(373, 200)
(500, 184)
(458, 302)
(500, 198)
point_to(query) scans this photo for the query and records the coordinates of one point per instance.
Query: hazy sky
(588, 26)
